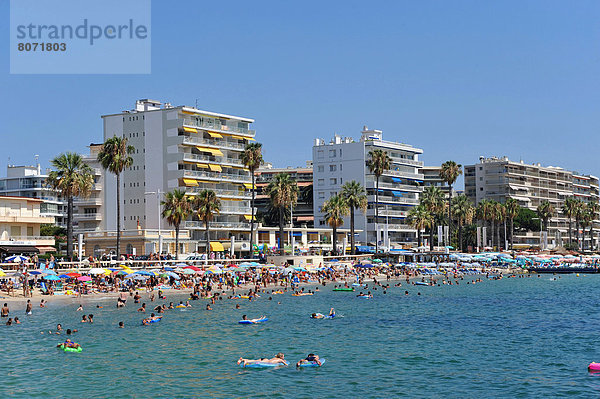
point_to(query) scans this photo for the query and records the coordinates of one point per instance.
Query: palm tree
(586, 219)
(593, 209)
(499, 216)
(433, 200)
(283, 193)
(378, 163)
(579, 214)
(449, 173)
(252, 159)
(512, 210)
(485, 210)
(335, 208)
(462, 210)
(176, 209)
(207, 204)
(73, 178)
(115, 157)
(420, 218)
(545, 211)
(354, 195)
(568, 210)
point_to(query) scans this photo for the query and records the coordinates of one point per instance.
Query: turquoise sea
(517, 337)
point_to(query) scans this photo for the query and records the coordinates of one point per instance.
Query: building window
(332, 168)
(320, 154)
(340, 167)
(331, 153)
(333, 181)
(321, 182)
(320, 168)
(340, 152)
(321, 194)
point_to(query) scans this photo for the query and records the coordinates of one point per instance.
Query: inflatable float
(312, 364)
(421, 283)
(146, 322)
(594, 366)
(261, 320)
(260, 365)
(343, 289)
(67, 349)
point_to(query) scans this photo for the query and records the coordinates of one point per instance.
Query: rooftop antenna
(196, 103)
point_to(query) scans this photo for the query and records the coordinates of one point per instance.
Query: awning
(18, 249)
(305, 218)
(215, 168)
(190, 182)
(249, 217)
(44, 249)
(216, 246)
(213, 151)
(396, 180)
(397, 193)
(249, 186)
(202, 165)
(217, 135)
(190, 130)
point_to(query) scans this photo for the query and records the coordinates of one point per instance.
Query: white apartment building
(343, 160)
(88, 212)
(30, 182)
(186, 148)
(531, 184)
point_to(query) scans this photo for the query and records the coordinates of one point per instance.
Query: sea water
(517, 337)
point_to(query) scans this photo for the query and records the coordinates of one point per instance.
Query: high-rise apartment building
(88, 212)
(343, 160)
(531, 184)
(186, 148)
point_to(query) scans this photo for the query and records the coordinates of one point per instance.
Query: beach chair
(43, 288)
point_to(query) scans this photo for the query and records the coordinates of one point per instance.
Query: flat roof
(21, 198)
(187, 109)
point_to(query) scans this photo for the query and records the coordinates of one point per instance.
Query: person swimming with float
(278, 359)
(69, 344)
(253, 321)
(152, 319)
(308, 359)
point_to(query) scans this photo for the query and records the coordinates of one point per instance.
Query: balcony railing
(218, 176)
(32, 238)
(87, 216)
(399, 200)
(404, 174)
(407, 161)
(222, 193)
(393, 227)
(212, 124)
(190, 224)
(393, 186)
(217, 160)
(221, 143)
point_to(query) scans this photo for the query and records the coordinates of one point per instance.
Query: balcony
(407, 161)
(222, 193)
(218, 176)
(87, 201)
(418, 176)
(394, 186)
(237, 210)
(87, 216)
(38, 240)
(391, 227)
(195, 225)
(215, 160)
(212, 124)
(26, 219)
(395, 200)
(387, 212)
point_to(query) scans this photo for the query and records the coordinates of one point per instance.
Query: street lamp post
(158, 194)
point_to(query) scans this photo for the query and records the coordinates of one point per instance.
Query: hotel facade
(189, 149)
(531, 184)
(343, 160)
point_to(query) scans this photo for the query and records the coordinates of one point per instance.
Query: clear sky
(459, 79)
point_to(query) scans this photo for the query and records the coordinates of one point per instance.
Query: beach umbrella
(73, 274)
(169, 269)
(35, 272)
(189, 271)
(171, 274)
(64, 276)
(48, 271)
(84, 278)
(365, 265)
(144, 273)
(377, 261)
(16, 258)
(194, 268)
(97, 270)
(2, 274)
(51, 277)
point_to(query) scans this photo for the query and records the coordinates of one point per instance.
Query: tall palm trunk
(591, 234)
(281, 242)
(70, 228)
(376, 214)
(512, 233)
(449, 213)
(493, 232)
(334, 241)
(207, 239)
(431, 230)
(418, 237)
(577, 232)
(460, 237)
(353, 250)
(176, 241)
(252, 220)
(570, 235)
(118, 217)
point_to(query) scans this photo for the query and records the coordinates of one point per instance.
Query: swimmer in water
(309, 359)
(278, 359)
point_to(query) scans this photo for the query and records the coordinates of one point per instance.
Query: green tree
(512, 210)
(484, 212)
(378, 163)
(335, 208)
(356, 198)
(449, 173)
(433, 200)
(579, 214)
(207, 204)
(568, 209)
(115, 156)
(283, 194)
(176, 209)
(526, 220)
(252, 159)
(72, 178)
(421, 219)
(545, 212)
(593, 208)
(463, 212)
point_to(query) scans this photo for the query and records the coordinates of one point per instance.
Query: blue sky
(459, 79)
